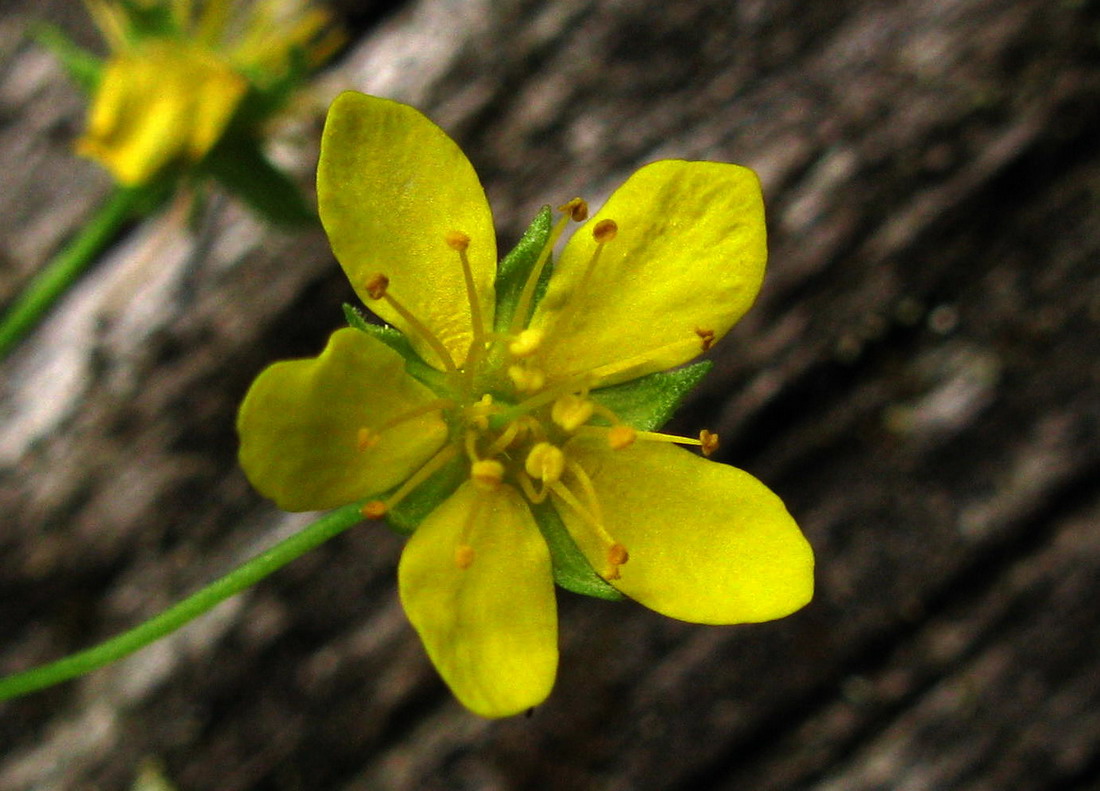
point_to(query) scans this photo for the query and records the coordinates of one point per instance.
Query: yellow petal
(390, 187)
(688, 256)
(162, 103)
(707, 542)
(300, 425)
(490, 628)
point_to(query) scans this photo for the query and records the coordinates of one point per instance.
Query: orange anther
(617, 554)
(464, 556)
(707, 336)
(374, 510)
(605, 231)
(709, 441)
(458, 241)
(619, 437)
(577, 209)
(376, 286)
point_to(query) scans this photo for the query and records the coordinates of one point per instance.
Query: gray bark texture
(918, 381)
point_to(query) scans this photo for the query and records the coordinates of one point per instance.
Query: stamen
(545, 462)
(622, 436)
(571, 412)
(487, 474)
(507, 437)
(464, 556)
(576, 210)
(700, 343)
(603, 233)
(464, 551)
(707, 337)
(528, 488)
(708, 440)
(459, 242)
(526, 343)
(527, 379)
(479, 413)
(364, 439)
(377, 288)
(617, 554)
(376, 509)
(367, 437)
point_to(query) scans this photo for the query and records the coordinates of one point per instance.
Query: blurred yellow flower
(524, 384)
(177, 76)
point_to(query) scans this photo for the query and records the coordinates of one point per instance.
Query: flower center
(513, 423)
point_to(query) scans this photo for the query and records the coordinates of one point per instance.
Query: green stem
(244, 576)
(74, 258)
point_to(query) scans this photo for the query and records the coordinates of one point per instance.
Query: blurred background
(918, 381)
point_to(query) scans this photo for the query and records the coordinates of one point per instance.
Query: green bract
(506, 419)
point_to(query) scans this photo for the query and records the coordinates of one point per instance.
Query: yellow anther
(374, 510)
(526, 343)
(571, 412)
(365, 439)
(605, 231)
(706, 336)
(577, 209)
(376, 286)
(708, 440)
(545, 462)
(464, 556)
(619, 437)
(479, 413)
(457, 240)
(526, 379)
(487, 474)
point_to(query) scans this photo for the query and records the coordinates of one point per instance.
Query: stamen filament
(459, 242)
(464, 551)
(519, 318)
(602, 236)
(378, 288)
(376, 509)
(565, 386)
(613, 369)
(368, 436)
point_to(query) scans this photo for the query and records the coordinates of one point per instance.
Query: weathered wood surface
(918, 380)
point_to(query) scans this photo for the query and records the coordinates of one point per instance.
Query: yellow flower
(517, 382)
(176, 78)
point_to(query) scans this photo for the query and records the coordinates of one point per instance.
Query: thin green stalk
(244, 576)
(74, 258)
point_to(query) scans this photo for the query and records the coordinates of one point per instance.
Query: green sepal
(648, 403)
(516, 266)
(238, 164)
(416, 367)
(149, 20)
(407, 515)
(572, 570)
(83, 67)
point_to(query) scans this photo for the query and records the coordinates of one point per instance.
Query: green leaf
(393, 338)
(83, 67)
(241, 167)
(572, 570)
(648, 403)
(407, 515)
(516, 266)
